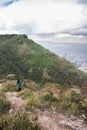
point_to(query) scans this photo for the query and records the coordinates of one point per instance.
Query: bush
(18, 121)
(11, 76)
(26, 93)
(2, 95)
(76, 98)
(4, 104)
(47, 96)
(9, 86)
(33, 102)
(72, 109)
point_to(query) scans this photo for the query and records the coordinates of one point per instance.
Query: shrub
(49, 101)
(73, 108)
(18, 121)
(2, 95)
(11, 76)
(29, 84)
(47, 96)
(9, 86)
(4, 104)
(33, 102)
(26, 93)
(76, 98)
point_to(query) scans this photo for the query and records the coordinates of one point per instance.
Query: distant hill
(23, 57)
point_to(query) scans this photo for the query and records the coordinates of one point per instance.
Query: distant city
(78, 61)
(76, 53)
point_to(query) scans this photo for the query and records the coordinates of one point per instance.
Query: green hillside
(23, 57)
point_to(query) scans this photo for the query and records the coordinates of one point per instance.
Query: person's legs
(19, 89)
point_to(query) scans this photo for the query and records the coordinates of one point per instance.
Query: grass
(49, 96)
(26, 93)
(17, 121)
(9, 86)
(33, 102)
(4, 103)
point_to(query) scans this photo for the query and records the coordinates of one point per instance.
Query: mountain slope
(23, 57)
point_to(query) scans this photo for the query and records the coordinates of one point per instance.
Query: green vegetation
(49, 97)
(11, 76)
(33, 102)
(4, 104)
(26, 93)
(20, 56)
(18, 121)
(69, 101)
(10, 86)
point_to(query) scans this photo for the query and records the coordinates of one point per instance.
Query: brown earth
(48, 120)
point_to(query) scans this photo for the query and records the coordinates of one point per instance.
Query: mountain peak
(23, 57)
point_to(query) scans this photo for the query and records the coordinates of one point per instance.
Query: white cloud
(67, 38)
(42, 16)
(70, 38)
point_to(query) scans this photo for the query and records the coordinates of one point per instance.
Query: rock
(0, 86)
(62, 122)
(68, 125)
(83, 116)
(73, 118)
(11, 111)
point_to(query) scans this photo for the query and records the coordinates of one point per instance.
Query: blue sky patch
(9, 2)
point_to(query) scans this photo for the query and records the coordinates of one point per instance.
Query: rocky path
(16, 102)
(56, 121)
(48, 120)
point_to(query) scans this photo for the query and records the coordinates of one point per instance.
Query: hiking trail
(46, 119)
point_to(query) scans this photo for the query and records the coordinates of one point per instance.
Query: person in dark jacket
(19, 84)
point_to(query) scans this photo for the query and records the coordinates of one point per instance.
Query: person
(19, 84)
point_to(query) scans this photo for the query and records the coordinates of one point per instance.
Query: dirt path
(16, 102)
(58, 121)
(48, 120)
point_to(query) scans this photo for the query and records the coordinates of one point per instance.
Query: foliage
(72, 109)
(72, 103)
(4, 104)
(11, 76)
(47, 96)
(23, 57)
(18, 121)
(69, 101)
(26, 93)
(33, 102)
(9, 86)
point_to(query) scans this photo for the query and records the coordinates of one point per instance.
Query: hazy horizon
(78, 49)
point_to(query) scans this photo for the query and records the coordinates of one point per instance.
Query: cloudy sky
(45, 20)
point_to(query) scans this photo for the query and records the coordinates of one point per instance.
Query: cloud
(71, 38)
(44, 19)
(82, 1)
(81, 31)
